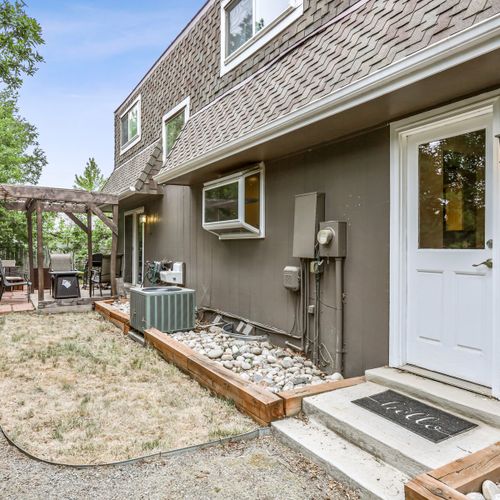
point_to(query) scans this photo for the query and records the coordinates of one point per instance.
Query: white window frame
(135, 213)
(238, 223)
(469, 108)
(261, 38)
(185, 104)
(137, 138)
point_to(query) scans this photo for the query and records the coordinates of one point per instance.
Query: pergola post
(114, 250)
(39, 233)
(29, 224)
(89, 250)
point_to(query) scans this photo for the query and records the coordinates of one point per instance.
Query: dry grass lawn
(73, 389)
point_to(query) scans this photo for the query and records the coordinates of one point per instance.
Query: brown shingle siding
(373, 36)
(192, 68)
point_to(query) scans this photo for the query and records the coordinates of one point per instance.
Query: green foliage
(91, 179)
(21, 161)
(20, 35)
(64, 236)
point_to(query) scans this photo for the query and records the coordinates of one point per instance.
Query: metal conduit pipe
(339, 315)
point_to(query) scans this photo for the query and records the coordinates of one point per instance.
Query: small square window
(173, 123)
(130, 126)
(233, 207)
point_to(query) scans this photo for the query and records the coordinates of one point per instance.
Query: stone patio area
(15, 302)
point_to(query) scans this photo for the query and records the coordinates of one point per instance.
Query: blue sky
(95, 53)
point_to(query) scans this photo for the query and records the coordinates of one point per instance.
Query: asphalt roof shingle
(136, 172)
(374, 35)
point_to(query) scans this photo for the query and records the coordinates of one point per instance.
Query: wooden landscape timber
(454, 480)
(222, 381)
(293, 399)
(263, 406)
(113, 315)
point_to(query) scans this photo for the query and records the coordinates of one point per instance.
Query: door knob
(488, 263)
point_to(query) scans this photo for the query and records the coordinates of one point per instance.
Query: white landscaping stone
(475, 496)
(490, 489)
(215, 353)
(273, 368)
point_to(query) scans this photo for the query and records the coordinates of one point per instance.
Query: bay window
(233, 207)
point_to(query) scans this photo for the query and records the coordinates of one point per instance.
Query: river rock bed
(123, 307)
(274, 368)
(489, 491)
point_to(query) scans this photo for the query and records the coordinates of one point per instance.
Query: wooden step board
(454, 480)
(112, 314)
(262, 405)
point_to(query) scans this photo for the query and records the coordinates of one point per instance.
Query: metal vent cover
(168, 309)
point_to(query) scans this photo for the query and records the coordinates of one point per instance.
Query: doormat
(426, 421)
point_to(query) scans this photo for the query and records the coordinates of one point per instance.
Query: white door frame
(481, 105)
(135, 213)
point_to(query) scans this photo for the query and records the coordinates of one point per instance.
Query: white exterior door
(449, 241)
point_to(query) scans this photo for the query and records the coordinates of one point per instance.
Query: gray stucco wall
(245, 276)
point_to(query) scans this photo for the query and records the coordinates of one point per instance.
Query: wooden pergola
(38, 199)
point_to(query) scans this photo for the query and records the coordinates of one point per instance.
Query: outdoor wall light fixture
(143, 219)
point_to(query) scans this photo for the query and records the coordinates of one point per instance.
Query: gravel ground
(258, 469)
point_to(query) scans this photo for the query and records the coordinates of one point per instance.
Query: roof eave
(466, 45)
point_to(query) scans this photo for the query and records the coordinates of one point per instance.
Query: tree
(21, 161)
(20, 35)
(91, 179)
(64, 236)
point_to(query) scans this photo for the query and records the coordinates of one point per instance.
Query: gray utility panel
(168, 309)
(309, 211)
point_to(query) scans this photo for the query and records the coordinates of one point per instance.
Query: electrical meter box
(309, 211)
(291, 278)
(332, 239)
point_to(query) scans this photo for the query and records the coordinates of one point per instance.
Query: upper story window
(247, 25)
(173, 123)
(130, 126)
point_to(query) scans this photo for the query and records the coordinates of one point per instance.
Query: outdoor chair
(64, 277)
(102, 276)
(96, 264)
(11, 284)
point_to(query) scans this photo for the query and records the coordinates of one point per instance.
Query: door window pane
(221, 203)
(267, 12)
(452, 192)
(239, 21)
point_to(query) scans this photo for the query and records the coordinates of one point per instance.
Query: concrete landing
(378, 456)
(388, 441)
(460, 401)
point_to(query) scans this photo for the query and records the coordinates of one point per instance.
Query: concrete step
(386, 440)
(462, 402)
(345, 462)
